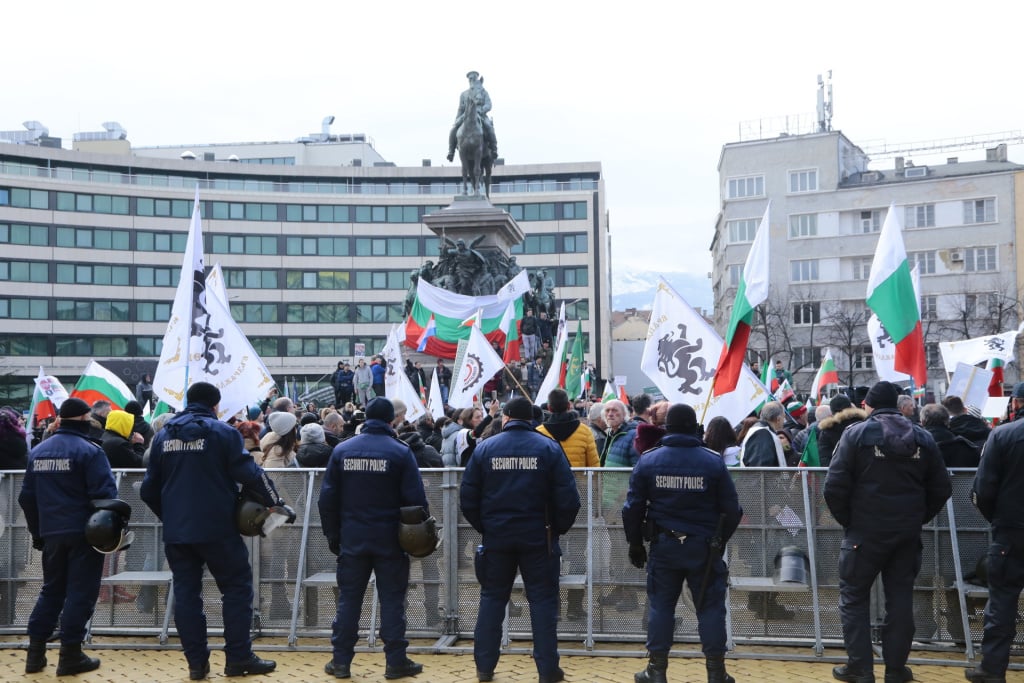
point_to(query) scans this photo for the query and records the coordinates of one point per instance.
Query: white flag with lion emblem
(680, 356)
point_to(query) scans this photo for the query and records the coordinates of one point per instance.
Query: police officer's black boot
(716, 669)
(36, 659)
(657, 665)
(73, 661)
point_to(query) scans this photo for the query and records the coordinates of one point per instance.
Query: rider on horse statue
(475, 90)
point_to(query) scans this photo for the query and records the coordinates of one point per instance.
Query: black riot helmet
(417, 533)
(250, 514)
(107, 528)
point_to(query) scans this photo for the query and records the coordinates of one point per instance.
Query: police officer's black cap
(380, 408)
(519, 408)
(1018, 391)
(882, 395)
(681, 419)
(74, 407)
(203, 393)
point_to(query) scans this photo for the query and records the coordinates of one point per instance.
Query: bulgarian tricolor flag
(452, 315)
(995, 386)
(97, 383)
(827, 374)
(892, 298)
(753, 290)
(509, 326)
(609, 392)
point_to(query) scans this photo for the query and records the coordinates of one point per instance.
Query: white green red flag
(509, 326)
(995, 385)
(784, 393)
(752, 291)
(452, 312)
(99, 384)
(679, 357)
(892, 298)
(827, 374)
(609, 392)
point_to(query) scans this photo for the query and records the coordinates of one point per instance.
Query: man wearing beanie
(191, 483)
(998, 493)
(520, 494)
(682, 499)
(65, 474)
(368, 479)
(885, 481)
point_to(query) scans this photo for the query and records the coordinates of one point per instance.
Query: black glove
(38, 543)
(334, 545)
(638, 555)
(283, 509)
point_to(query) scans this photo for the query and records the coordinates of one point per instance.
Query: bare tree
(846, 330)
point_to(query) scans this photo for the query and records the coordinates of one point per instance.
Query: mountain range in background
(635, 289)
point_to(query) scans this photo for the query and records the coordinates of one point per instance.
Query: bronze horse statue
(474, 153)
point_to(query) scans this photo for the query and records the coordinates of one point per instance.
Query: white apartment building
(960, 223)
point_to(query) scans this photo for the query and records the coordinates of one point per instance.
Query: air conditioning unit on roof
(956, 256)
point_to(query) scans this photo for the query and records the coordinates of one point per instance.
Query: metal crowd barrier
(294, 570)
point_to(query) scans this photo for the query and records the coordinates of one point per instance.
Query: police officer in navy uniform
(369, 478)
(195, 466)
(65, 473)
(683, 500)
(999, 496)
(520, 494)
(885, 481)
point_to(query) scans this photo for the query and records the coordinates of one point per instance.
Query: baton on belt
(714, 547)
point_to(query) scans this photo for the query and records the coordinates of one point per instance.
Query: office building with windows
(316, 238)
(960, 228)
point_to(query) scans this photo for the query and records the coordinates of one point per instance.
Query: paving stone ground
(128, 661)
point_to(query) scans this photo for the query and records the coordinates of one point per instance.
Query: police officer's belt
(678, 535)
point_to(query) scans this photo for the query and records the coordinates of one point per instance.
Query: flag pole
(191, 304)
(707, 403)
(509, 372)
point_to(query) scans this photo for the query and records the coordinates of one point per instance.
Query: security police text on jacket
(195, 466)
(682, 491)
(190, 484)
(524, 477)
(351, 490)
(886, 475)
(65, 474)
(520, 494)
(369, 478)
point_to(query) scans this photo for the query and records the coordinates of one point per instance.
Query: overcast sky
(652, 90)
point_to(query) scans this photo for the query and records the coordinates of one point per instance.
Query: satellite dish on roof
(233, 157)
(188, 155)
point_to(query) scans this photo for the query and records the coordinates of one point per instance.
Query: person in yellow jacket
(577, 442)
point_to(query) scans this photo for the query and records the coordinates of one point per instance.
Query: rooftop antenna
(825, 103)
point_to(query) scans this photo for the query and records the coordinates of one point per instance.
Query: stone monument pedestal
(468, 218)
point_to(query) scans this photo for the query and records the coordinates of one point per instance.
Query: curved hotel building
(316, 238)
